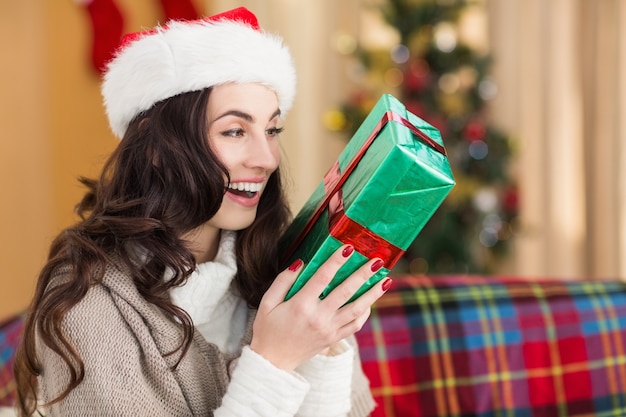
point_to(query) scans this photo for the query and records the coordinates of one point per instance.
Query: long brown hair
(161, 181)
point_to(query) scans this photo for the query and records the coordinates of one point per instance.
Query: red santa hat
(185, 56)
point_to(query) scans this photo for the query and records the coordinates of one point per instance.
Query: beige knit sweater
(124, 342)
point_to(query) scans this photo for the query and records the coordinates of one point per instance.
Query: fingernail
(377, 265)
(387, 284)
(295, 265)
(347, 251)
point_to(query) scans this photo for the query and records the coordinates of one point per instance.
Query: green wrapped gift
(386, 184)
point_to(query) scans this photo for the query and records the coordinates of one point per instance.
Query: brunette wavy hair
(161, 181)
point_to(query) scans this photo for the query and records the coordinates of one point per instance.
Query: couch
(480, 346)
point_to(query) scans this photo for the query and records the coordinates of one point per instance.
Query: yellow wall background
(53, 128)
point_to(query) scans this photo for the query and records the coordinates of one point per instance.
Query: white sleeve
(331, 383)
(259, 389)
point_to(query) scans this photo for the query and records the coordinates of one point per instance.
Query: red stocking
(179, 10)
(107, 28)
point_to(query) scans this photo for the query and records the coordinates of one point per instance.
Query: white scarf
(208, 296)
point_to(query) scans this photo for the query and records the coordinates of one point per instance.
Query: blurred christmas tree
(444, 80)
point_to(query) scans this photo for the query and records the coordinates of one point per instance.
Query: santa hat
(185, 56)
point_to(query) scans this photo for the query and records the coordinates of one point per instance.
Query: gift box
(385, 185)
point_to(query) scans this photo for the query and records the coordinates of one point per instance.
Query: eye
(233, 133)
(274, 131)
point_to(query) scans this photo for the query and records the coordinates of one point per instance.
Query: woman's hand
(288, 333)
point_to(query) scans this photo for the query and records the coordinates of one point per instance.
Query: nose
(264, 152)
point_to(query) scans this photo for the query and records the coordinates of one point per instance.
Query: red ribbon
(341, 226)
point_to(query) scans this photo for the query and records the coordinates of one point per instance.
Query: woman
(166, 299)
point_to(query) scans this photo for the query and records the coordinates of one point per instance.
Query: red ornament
(416, 75)
(415, 107)
(510, 201)
(475, 130)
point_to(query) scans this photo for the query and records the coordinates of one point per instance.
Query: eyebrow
(243, 115)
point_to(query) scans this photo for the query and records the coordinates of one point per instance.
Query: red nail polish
(295, 265)
(387, 284)
(377, 265)
(347, 251)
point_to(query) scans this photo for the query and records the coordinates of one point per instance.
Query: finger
(326, 272)
(346, 290)
(355, 325)
(277, 292)
(352, 311)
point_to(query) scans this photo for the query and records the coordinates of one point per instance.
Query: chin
(233, 217)
(240, 224)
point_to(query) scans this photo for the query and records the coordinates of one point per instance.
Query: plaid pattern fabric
(10, 333)
(478, 346)
(487, 346)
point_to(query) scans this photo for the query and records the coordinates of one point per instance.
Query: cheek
(224, 155)
(276, 151)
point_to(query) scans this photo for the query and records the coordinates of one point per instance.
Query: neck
(203, 242)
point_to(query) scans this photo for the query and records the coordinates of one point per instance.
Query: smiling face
(243, 128)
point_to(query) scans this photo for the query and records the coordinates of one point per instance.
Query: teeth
(252, 187)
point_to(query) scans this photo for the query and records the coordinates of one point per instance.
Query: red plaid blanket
(486, 346)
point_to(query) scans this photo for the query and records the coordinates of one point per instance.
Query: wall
(25, 216)
(53, 129)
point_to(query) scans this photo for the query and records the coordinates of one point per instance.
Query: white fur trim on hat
(189, 56)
